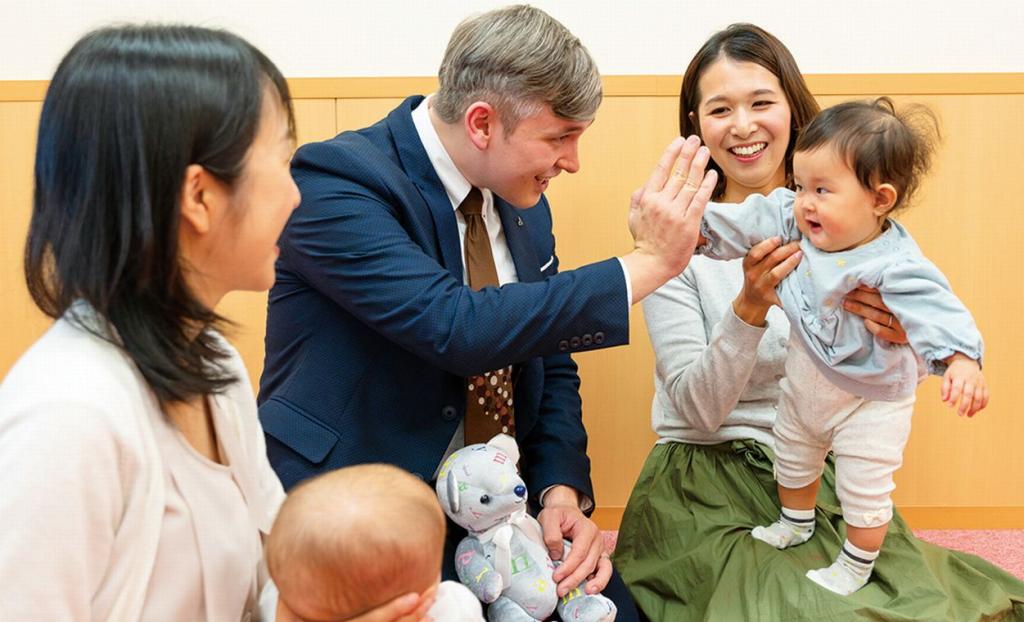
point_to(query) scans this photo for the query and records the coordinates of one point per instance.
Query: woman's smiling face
(745, 120)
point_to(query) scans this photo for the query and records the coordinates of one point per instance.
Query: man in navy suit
(373, 328)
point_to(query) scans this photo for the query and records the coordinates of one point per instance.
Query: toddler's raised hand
(963, 382)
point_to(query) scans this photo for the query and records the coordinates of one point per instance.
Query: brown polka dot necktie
(489, 397)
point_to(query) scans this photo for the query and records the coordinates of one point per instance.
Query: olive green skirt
(686, 552)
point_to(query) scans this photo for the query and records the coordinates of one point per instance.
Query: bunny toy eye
(520, 490)
(485, 499)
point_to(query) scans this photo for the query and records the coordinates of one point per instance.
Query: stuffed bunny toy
(503, 560)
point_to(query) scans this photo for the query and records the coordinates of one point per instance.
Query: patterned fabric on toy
(503, 560)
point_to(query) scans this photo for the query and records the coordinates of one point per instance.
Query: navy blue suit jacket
(371, 332)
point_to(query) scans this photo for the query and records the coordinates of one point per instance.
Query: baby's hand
(963, 382)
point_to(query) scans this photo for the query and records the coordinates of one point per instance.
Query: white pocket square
(547, 265)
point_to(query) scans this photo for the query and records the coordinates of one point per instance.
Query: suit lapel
(421, 172)
(518, 239)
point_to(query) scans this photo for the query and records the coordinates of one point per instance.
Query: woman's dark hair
(129, 108)
(879, 143)
(751, 44)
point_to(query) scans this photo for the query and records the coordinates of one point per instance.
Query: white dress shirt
(457, 188)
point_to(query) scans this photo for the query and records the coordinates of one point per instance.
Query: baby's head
(855, 164)
(353, 539)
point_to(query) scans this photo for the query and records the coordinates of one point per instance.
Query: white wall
(321, 38)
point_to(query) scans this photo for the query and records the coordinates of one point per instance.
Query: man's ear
(195, 195)
(481, 123)
(885, 198)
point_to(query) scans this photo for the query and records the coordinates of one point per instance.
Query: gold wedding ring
(689, 184)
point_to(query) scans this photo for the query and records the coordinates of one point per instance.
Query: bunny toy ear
(506, 444)
(452, 483)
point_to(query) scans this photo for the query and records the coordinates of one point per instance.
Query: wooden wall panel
(968, 220)
(590, 209)
(20, 321)
(314, 120)
(354, 114)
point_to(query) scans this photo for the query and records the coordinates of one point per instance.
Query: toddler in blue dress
(853, 167)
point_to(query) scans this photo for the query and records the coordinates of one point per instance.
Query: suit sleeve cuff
(586, 503)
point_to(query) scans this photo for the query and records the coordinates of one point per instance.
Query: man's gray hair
(517, 59)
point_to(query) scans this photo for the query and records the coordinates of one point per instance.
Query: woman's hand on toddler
(764, 267)
(963, 382)
(867, 302)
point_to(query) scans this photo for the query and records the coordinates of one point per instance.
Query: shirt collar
(455, 184)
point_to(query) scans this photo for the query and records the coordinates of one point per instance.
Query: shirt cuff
(734, 322)
(629, 284)
(585, 502)
(739, 331)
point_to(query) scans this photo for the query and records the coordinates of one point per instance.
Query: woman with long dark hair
(135, 478)
(684, 547)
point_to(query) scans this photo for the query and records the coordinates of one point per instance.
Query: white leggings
(866, 436)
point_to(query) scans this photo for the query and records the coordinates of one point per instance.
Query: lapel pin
(519, 220)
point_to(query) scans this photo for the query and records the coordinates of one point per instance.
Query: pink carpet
(1002, 547)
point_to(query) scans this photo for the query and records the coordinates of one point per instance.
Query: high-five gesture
(665, 215)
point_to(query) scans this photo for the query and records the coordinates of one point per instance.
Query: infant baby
(351, 540)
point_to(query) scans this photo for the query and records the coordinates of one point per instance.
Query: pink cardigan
(83, 497)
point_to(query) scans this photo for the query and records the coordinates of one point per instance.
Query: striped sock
(793, 527)
(848, 573)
